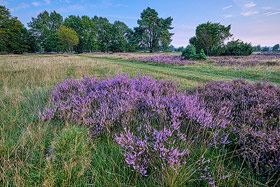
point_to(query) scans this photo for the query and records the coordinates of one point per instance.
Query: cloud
(121, 17)
(47, 1)
(250, 13)
(36, 4)
(71, 8)
(21, 6)
(271, 13)
(228, 16)
(250, 5)
(227, 7)
(2, 2)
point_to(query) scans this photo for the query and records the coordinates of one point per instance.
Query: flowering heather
(151, 119)
(250, 112)
(253, 60)
(151, 148)
(164, 59)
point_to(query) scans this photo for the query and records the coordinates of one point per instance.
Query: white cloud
(71, 8)
(21, 6)
(227, 7)
(36, 4)
(250, 13)
(121, 17)
(2, 2)
(47, 1)
(271, 13)
(250, 5)
(268, 8)
(228, 16)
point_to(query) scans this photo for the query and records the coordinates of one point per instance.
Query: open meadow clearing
(58, 149)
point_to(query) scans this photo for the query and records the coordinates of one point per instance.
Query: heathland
(62, 150)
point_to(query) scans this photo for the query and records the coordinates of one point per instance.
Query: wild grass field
(63, 153)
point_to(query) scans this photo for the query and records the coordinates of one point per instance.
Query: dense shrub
(249, 112)
(106, 105)
(109, 106)
(238, 48)
(190, 53)
(151, 119)
(151, 148)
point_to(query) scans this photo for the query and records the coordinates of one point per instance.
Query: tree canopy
(153, 32)
(68, 38)
(210, 36)
(44, 27)
(14, 37)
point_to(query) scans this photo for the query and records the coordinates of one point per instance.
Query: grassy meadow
(27, 144)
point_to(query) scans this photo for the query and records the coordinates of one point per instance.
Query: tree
(210, 37)
(276, 47)
(265, 49)
(86, 30)
(257, 48)
(179, 49)
(153, 32)
(68, 37)
(104, 33)
(13, 35)
(45, 28)
(120, 37)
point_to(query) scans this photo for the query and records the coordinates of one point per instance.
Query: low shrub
(151, 118)
(250, 114)
(190, 53)
(238, 48)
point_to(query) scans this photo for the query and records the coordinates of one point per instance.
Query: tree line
(49, 32)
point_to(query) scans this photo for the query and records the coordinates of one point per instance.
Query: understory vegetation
(209, 123)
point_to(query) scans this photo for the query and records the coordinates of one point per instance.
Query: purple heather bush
(250, 113)
(152, 119)
(150, 148)
(164, 59)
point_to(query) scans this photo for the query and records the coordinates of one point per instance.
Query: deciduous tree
(44, 27)
(68, 38)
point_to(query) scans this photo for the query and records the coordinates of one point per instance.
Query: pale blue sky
(255, 21)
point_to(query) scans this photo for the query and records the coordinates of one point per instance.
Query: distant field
(27, 80)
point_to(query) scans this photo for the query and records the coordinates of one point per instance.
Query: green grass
(35, 153)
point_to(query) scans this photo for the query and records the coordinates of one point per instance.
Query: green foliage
(179, 49)
(68, 37)
(238, 48)
(190, 53)
(265, 49)
(257, 48)
(44, 28)
(153, 32)
(14, 38)
(276, 47)
(210, 36)
(68, 158)
(120, 37)
(104, 34)
(86, 30)
(202, 55)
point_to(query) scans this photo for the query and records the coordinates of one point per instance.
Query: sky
(257, 22)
